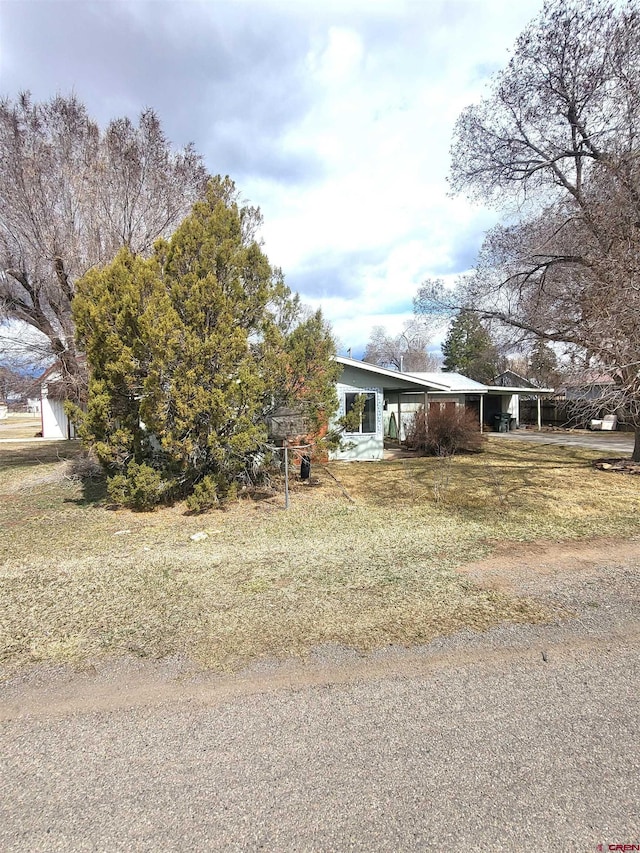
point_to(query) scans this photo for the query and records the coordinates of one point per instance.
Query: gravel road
(521, 739)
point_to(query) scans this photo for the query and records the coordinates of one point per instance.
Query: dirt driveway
(523, 738)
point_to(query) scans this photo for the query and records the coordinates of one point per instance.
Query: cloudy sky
(334, 116)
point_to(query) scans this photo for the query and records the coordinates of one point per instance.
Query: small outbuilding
(55, 422)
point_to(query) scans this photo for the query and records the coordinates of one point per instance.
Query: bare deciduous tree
(560, 136)
(406, 351)
(13, 383)
(71, 195)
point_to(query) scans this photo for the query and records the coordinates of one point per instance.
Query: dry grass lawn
(377, 565)
(17, 426)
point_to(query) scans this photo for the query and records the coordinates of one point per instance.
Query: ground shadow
(31, 454)
(94, 491)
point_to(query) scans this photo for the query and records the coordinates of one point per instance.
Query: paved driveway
(613, 443)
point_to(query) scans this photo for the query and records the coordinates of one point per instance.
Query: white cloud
(334, 116)
(381, 122)
(336, 62)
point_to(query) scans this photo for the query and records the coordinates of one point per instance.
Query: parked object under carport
(501, 422)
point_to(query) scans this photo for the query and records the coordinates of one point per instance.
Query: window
(368, 419)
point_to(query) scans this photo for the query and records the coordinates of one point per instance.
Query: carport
(504, 399)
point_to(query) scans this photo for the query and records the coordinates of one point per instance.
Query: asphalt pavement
(532, 756)
(611, 442)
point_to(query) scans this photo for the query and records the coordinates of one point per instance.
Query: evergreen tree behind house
(468, 349)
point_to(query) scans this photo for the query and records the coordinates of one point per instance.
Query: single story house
(392, 398)
(589, 385)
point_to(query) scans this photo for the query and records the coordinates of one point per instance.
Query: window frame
(370, 395)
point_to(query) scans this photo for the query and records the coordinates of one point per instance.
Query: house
(589, 385)
(381, 388)
(459, 391)
(392, 399)
(55, 423)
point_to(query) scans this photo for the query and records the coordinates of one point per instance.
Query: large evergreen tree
(543, 364)
(468, 348)
(190, 350)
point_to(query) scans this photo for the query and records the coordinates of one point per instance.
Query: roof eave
(390, 374)
(507, 389)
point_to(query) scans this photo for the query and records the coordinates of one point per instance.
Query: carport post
(481, 412)
(539, 401)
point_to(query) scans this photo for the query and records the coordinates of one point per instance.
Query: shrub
(416, 435)
(232, 493)
(204, 495)
(210, 492)
(445, 432)
(85, 467)
(140, 488)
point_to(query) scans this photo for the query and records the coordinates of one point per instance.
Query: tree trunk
(73, 374)
(636, 446)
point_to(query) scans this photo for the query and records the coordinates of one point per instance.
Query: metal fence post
(286, 475)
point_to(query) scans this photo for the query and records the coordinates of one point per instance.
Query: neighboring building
(393, 398)
(55, 423)
(589, 385)
(511, 379)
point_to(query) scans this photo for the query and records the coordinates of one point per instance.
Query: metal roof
(441, 381)
(512, 389)
(454, 381)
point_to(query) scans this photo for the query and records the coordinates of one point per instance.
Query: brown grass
(17, 426)
(79, 580)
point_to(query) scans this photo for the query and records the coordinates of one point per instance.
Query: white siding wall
(513, 406)
(55, 423)
(357, 446)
